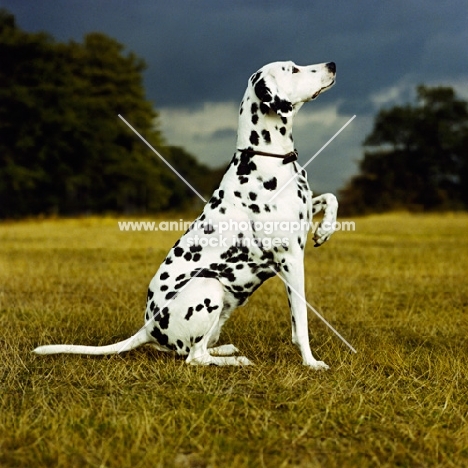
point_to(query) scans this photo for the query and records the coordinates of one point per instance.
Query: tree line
(415, 158)
(64, 151)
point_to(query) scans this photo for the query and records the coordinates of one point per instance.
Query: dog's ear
(269, 94)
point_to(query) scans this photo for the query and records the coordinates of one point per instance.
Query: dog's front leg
(329, 204)
(294, 277)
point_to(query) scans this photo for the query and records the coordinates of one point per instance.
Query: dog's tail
(140, 338)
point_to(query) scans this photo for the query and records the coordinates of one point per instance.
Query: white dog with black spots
(203, 278)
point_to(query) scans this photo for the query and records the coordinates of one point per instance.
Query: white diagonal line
(160, 310)
(167, 164)
(315, 312)
(314, 156)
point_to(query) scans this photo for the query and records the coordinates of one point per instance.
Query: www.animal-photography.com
(233, 234)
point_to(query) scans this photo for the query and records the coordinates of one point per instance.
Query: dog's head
(284, 86)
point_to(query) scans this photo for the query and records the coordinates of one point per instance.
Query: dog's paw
(317, 365)
(243, 361)
(223, 350)
(321, 234)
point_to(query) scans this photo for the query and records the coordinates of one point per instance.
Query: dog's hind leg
(205, 326)
(200, 354)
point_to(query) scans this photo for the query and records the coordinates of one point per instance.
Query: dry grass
(396, 289)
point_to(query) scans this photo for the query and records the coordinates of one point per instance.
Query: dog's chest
(263, 190)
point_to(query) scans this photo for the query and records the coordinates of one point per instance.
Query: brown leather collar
(287, 158)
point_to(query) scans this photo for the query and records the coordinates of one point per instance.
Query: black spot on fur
(262, 91)
(270, 184)
(252, 196)
(237, 194)
(214, 202)
(255, 208)
(150, 294)
(164, 287)
(268, 256)
(254, 108)
(178, 251)
(199, 307)
(254, 138)
(189, 313)
(243, 180)
(255, 119)
(266, 136)
(283, 130)
(208, 228)
(181, 284)
(265, 274)
(160, 337)
(281, 105)
(256, 77)
(246, 165)
(264, 108)
(299, 241)
(164, 321)
(170, 295)
(188, 256)
(204, 273)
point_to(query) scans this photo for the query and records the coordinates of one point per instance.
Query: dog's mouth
(315, 95)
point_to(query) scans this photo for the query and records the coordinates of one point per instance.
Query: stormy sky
(200, 54)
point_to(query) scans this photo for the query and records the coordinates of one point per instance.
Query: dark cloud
(222, 134)
(201, 51)
(206, 49)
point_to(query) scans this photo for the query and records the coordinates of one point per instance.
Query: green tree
(416, 157)
(62, 147)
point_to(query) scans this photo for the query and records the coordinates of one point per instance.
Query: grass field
(396, 289)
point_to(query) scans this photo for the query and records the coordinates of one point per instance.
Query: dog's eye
(295, 70)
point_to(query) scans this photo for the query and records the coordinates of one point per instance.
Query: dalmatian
(216, 266)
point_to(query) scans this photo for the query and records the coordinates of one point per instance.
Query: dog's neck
(263, 129)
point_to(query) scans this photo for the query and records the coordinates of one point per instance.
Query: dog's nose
(331, 67)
